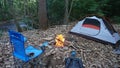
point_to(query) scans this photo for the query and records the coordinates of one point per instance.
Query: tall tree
(68, 9)
(10, 4)
(42, 14)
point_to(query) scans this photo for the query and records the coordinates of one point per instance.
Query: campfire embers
(59, 40)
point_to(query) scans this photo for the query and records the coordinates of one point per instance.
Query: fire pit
(59, 40)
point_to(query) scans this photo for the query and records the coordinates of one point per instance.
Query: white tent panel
(103, 33)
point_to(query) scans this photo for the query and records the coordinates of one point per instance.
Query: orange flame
(59, 40)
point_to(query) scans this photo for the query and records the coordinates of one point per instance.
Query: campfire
(59, 40)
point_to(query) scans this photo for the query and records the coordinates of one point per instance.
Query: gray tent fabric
(96, 28)
(116, 51)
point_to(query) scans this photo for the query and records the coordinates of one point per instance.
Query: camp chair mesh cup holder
(21, 54)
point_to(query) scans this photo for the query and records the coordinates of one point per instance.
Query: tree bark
(68, 9)
(66, 12)
(42, 14)
(10, 4)
(13, 13)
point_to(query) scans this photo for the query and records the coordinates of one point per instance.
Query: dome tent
(97, 29)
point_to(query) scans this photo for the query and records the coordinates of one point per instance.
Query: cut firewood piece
(67, 43)
(48, 39)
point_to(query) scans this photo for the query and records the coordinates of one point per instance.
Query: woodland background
(32, 16)
(44, 13)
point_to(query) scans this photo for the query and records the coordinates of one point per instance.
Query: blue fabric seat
(19, 51)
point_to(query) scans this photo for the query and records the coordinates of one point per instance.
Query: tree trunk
(42, 14)
(68, 9)
(66, 12)
(10, 4)
(18, 28)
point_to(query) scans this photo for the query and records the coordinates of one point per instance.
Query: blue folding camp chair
(20, 52)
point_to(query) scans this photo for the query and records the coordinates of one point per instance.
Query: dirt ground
(93, 54)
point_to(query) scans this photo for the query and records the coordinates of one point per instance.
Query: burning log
(59, 40)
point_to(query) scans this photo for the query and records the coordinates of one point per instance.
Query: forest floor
(93, 54)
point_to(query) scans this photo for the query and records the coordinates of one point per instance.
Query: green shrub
(1, 33)
(116, 19)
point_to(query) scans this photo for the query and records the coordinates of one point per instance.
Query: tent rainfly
(97, 29)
